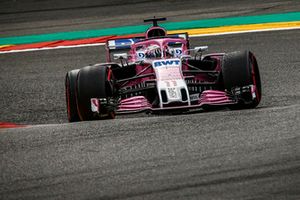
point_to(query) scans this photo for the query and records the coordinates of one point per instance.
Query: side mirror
(200, 49)
(120, 56)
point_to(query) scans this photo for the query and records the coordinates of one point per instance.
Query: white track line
(101, 44)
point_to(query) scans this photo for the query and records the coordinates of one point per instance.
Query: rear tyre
(93, 82)
(70, 85)
(240, 69)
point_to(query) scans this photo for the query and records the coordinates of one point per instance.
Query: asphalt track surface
(20, 17)
(248, 154)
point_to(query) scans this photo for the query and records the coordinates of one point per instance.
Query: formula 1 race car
(159, 72)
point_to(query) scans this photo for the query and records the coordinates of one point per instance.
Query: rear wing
(123, 45)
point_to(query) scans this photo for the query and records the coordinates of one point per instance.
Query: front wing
(207, 98)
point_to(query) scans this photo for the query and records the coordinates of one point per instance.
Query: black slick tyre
(70, 89)
(93, 82)
(240, 69)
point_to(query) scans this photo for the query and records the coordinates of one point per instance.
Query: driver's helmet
(153, 51)
(169, 52)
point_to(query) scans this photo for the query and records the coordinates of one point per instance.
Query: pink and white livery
(160, 72)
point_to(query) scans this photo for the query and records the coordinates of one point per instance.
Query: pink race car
(160, 72)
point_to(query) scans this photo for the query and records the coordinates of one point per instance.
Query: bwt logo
(166, 63)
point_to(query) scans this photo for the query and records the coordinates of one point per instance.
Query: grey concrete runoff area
(243, 154)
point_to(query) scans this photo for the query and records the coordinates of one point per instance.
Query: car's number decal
(172, 93)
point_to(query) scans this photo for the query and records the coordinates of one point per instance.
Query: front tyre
(70, 86)
(94, 82)
(239, 70)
